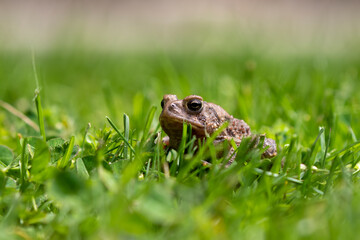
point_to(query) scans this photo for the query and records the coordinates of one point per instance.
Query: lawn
(96, 170)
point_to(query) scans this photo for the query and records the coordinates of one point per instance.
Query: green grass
(96, 177)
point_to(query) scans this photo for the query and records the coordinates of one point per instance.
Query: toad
(205, 118)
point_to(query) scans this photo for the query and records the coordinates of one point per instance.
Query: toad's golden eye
(162, 103)
(195, 105)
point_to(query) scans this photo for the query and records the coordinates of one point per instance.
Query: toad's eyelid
(193, 97)
(195, 101)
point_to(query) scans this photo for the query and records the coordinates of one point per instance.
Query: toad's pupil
(195, 105)
(162, 103)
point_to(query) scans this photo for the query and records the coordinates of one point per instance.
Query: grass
(87, 176)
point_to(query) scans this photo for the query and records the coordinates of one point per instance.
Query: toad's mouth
(194, 125)
(175, 124)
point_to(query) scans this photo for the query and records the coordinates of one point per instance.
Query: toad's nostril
(173, 107)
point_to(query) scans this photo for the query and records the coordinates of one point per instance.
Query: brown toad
(205, 118)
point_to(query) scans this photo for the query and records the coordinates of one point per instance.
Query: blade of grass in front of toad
(184, 172)
(181, 151)
(134, 167)
(121, 135)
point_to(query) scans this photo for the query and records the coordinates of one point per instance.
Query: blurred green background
(266, 91)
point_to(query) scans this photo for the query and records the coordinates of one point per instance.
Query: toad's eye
(194, 105)
(162, 103)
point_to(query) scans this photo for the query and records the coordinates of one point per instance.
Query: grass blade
(323, 142)
(38, 100)
(309, 163)
(81, 169)
(149, 120)
(333, 167)
(120, 134)
(352, 147)
(126, 134)
(307, 160)
(40, 113)
(19, 114)
(23, 165)
(84, 138)
(66, 158)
